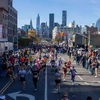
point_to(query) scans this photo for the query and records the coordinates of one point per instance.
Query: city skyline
(77, 10)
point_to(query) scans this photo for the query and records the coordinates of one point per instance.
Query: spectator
(83, 59)
(96, 67)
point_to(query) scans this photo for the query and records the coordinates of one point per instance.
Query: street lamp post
(13, 37)
(89, 38)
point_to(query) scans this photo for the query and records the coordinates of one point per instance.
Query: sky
(84, 12)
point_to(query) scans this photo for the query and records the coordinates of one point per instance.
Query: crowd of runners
(27, 61)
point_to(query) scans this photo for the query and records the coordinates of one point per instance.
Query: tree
(58, 39)
(24, 41)
(32, 33)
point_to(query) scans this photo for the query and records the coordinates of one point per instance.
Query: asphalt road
(85, 85)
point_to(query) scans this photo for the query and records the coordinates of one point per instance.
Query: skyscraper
(51, 24)
(98, 23)
(64, 18)
(38, 24)
(31, 26)
(44, 30)
(8, 23)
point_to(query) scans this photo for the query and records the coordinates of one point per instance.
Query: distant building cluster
(67, 30)
(42, 29)
(9, 33)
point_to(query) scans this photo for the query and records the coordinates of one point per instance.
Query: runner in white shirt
(59, 63)
(22, 73)
(58, 76)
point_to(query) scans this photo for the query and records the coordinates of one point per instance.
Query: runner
(58, 76)
(64, 71)
(22, 73)
(52, 62)
(59, 63)
(26, 61)
(73, 73)
(43, 64)
(10, 72)
(65, 96)
(31, 60)
(22, 59)
(35, 76)
(55, 54)
(68, 65)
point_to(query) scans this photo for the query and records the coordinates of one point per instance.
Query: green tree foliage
(58, 39)
(24, 41)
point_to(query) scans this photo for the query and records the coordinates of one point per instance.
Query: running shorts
(22, 79)
(57, 81)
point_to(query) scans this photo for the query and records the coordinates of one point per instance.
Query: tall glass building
(51, 24)
(37, 24)
(64, 18)
(31, 25)
(98, 23)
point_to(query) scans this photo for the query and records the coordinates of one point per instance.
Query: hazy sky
(82, 11)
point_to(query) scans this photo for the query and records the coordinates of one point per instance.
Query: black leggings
(35, 80)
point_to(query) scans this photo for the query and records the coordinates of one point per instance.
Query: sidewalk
(84, 74)
(85, 84)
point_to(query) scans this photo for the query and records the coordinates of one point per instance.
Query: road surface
(85, 85)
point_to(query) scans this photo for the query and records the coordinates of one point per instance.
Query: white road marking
(82, 71)
(45, 94)
(95, 81)
(80, 77)
(62, 58)
(6, 87)
(77, 74)
(16, 94)
(86, 83)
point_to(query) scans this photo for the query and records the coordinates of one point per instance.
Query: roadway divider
(7, 85)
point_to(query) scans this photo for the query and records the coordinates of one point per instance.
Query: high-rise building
(64, 18)
(38, 24)
(25, 28)
(44, 31)
(98, 23)
(51, 24)
(56, 24)
(31, 25)
(8, 24)
(12, 22)
(8, 20)
(3, 20)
